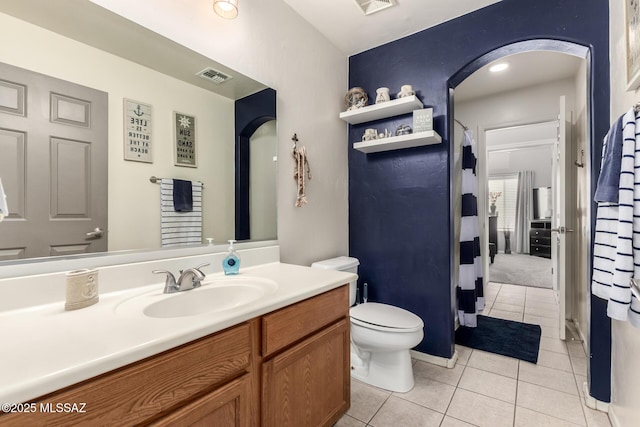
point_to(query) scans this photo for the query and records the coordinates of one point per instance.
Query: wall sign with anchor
(138, 141)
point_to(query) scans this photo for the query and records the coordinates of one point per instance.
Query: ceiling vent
(372, 6)
(213, 75)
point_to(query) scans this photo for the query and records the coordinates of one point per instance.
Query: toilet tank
(342, 263)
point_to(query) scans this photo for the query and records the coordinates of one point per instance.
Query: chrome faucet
(189, 279)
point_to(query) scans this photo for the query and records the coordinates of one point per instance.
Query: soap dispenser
(231, 263)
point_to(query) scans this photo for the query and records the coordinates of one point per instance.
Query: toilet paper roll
(82, 289)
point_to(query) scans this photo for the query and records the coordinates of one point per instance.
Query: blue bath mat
(506, 337)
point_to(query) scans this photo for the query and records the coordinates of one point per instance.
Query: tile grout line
(378, 410)
(454, 392)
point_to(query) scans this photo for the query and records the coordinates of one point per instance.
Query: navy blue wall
(400, 221)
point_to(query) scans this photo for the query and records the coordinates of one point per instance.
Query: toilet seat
(384, 317)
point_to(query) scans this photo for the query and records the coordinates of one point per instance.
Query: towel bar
(156, 180)
(635, 288)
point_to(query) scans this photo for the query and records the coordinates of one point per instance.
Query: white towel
(616, 254)
(620, 293)
(180, 228)
(4, 208)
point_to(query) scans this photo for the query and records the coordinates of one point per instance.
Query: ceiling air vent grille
(212, 75)
(372, 6)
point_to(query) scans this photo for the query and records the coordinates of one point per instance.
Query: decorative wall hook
(301, 171)
(581, 163)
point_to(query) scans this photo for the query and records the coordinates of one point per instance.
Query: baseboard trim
(436, 360)
(613, 418)
(581, 335)
(594, 403)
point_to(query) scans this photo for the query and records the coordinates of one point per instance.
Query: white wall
(536, 159)
(262, 182)
(625, 375)
(270, 43)
(532, 104)
(134, 219)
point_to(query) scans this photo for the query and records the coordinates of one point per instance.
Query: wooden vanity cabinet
(145, 391)
(306, 366)
(287, 368)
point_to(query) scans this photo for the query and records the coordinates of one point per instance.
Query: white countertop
(45, 348)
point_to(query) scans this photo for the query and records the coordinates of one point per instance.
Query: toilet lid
(385, 315)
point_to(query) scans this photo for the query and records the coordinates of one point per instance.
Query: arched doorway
(583, 264)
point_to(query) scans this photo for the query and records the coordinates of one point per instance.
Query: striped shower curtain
(470, 286)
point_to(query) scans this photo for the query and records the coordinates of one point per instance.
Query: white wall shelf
(398, 142)
(382, 110)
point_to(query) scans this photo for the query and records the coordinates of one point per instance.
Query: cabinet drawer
(135, 393)
(541, 241)
(292, 323)
(540, 233)
(544, 251)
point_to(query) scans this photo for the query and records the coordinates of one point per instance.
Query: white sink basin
(213, 296)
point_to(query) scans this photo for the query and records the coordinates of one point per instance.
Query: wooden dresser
(540, 238)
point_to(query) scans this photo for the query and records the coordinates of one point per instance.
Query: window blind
(507, 186)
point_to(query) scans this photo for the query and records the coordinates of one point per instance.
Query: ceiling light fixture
(501, 66)
(228, 9)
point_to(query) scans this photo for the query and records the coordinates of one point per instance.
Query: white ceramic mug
(382, 95)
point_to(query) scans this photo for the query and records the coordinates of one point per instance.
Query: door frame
(483, 176)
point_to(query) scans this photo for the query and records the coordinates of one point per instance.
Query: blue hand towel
(182, 195)
(609, 179)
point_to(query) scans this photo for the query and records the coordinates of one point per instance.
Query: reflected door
(53, 165)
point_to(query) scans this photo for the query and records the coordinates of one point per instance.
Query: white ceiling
(112, 33)
(525, 69)
(345, 25)
(341, 21)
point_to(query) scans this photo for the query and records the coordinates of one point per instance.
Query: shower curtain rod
(460, 123)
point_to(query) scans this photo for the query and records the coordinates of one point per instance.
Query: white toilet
(381, 336)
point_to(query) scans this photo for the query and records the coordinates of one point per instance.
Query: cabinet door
(227, 406)
(309, 384)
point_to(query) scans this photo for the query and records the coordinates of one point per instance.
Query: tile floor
(485, 389)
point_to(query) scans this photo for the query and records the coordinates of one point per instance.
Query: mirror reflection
(126, 66)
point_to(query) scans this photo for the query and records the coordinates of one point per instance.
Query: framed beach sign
(632, 20)
(184, 126)
(138, 141)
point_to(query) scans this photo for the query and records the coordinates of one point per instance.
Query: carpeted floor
(521, 269)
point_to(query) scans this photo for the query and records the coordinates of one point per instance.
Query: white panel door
(559, 246)
(53, 165)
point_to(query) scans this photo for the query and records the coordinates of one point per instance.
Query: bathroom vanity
(280, 361)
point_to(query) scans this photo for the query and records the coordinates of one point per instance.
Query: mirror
(106, 52)
(542, 205)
